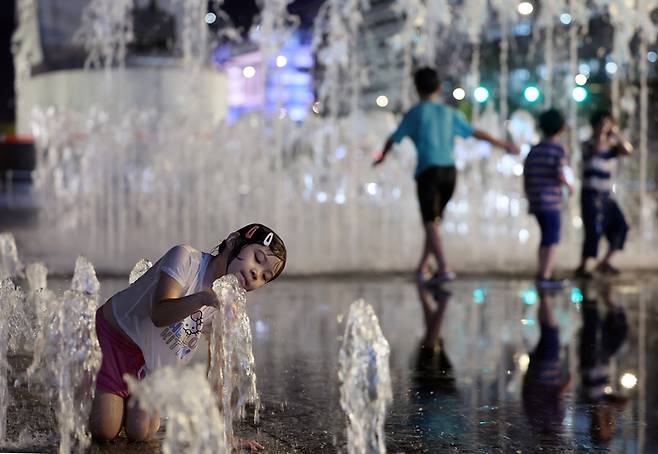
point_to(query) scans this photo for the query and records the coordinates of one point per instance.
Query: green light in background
(576, 295)
(579, 94)
(531, 93)
(529, 296)
(481, 94)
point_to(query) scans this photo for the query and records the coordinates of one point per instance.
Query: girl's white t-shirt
(176, 343)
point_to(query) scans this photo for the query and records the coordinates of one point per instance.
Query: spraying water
(68, 356)
(10, 298)
(39, 301)
(141, 267)
(365, 391)
(194, 424)
(10, 265)
(232, 371)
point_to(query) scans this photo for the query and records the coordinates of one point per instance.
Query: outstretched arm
(507, 146)
(388, 146)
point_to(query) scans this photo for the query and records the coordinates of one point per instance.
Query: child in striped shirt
(601, 214)
(543, 174)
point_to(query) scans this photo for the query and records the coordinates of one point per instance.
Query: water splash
(26, 43)
(232, 369)
(365, 390)
(412, 12)
(194, 424)
(37, 276)
(67, 355)
(84, 277)
(10, 265)
(472, 22)
(335, 37)
(38, 301)
(505, 10)
(24, 311)
(105, 31)
(141, 267)
(546, 21)
(10, 297)
(434, 20)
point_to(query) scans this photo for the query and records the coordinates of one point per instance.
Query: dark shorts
(435, 186)
(601, 217)
(549, 224)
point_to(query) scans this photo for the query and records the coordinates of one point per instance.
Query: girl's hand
(250, 445)
(209, 297)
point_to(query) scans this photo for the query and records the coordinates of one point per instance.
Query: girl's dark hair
(256, 234)
(427, 81)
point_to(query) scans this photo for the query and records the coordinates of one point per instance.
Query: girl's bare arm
(170, 307)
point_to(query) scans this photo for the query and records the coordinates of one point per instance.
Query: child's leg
(425, 257)
(547, 255)
(433, 236)
(549, 224)
(140, 425)
(616, 229)
(592, 223)
(435, 188)
(106, 416)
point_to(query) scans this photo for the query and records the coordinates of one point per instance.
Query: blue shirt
(541, 175)
(433, 127)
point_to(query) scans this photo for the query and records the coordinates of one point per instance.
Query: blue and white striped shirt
(598, 167)
(541, 177)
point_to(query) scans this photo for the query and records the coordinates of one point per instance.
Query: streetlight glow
(459, 93)
(525, 8)
(248, 72)
(382, 101)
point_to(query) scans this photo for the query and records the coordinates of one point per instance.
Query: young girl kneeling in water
(157, 321)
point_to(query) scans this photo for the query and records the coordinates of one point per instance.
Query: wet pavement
(484, 365)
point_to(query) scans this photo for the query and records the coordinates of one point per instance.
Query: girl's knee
(106, 416)
(142, 427)
(107, 432)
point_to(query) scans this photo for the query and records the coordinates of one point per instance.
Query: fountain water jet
(194, 424)
(365, 390)
(67, 355)
(232, 372)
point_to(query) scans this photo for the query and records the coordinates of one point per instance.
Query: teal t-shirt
(433, 127)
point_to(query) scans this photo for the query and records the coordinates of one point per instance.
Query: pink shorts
(120, 356)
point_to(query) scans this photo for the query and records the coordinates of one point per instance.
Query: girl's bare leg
(140, 425)
(106, 416)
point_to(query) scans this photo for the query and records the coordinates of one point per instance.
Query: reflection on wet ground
(482, 365)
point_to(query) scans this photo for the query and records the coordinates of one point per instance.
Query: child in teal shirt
(433, 126)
